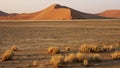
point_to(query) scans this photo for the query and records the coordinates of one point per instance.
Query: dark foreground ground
(34, 37)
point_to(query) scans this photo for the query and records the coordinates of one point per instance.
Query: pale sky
(28, 6)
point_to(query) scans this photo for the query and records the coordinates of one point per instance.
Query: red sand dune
(53, 12)
(110, 13)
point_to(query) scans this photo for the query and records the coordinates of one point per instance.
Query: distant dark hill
(110, 13)
(3, 13)
(53, 12)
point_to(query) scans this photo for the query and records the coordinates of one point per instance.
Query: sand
(53, 12)
(110, 13)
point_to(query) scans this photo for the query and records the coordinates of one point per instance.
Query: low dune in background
(53, 12)
(3, 13)
(110, 13)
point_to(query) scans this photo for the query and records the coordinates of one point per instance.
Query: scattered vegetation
(95, 57)
(34, 63)
(80, 57)
(115, 55)
(56, 60)
(90, 48)
(108, 47)
(53, 50)
(87, 48)
(70, 58)
(7, 55)
(85, 62)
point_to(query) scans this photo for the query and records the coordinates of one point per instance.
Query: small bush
(95, 57)
(115, 55)
(34, 63)
(7, 55)
(53, 50)
(85, 62)
(80, 57)
(108, 47)
(70, 58)
(56, 60)
(87, 48)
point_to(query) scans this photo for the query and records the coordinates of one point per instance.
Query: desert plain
(33, 38)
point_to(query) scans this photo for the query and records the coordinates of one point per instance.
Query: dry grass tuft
(80, 57)
(34, 63)
(56, 60)
(95, 58)
(87, 48)
(115, 56)
(14, 48)
(70, 58)
(7, 55)
(53, 50)
(108, 47)
(67, 48)
(85, 62)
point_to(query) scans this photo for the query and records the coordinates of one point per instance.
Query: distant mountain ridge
(53, 12)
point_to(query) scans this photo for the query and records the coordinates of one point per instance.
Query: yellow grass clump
(85, 62)
(70, 58)
(115, 55)
(53, 50)
(108, 47)
(80, 57)
(7, 55)
(56, 60)
(88, 48)
(34, 63)
(95, 57)
(14, 48)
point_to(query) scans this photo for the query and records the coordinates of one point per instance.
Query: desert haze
(58, 12)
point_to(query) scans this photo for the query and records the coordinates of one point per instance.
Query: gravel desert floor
(33, 38)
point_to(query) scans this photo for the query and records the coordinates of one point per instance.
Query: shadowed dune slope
(3, 13)
(53, 12)
(110, 13)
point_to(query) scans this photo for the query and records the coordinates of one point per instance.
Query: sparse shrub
(108, 47)
(90, 57)
(70, 58)
(87, 48)
(56, 60)
(53, 50)
(67, 48)
(95, 57)
(7, 55)
(115, 55)
(34, 63)
(26, 65)
(80, 57)
(14, 48)
(85, 62)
